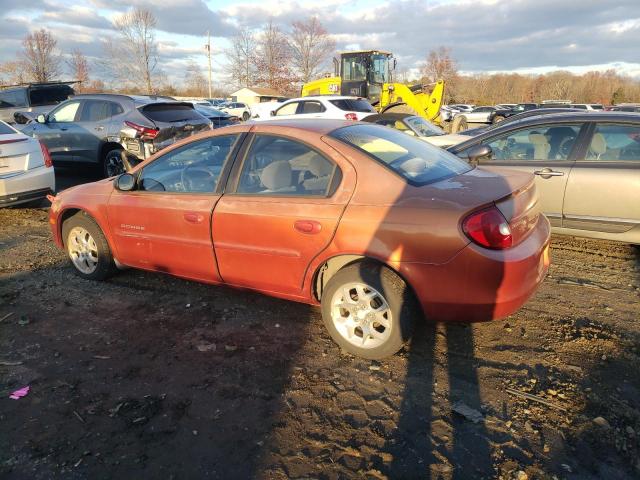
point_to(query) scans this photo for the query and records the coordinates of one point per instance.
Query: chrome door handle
(547, 172)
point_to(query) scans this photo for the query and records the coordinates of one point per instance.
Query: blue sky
(530, 36)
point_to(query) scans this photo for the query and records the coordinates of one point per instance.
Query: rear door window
(611, 143)
(13, 98)
(168, 113)
(353, 105)
(95, 111)
(278, 166)
(50, 95)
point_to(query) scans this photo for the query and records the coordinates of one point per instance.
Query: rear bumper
(26, 187)
(479, 284)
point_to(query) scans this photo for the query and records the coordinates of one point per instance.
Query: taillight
(351, 116)
(488, 228)
(45, 154)
(145, 132)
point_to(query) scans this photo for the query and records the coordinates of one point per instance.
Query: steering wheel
(197, 179)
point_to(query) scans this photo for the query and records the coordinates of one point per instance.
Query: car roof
(321, 126)
(137, 99)
(328, 97)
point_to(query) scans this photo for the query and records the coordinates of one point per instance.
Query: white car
(236, 109)
(477, 115)
(327, 106)
(263, 110)
(26, 170)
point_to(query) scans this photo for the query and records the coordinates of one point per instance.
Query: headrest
(276, 175)
(598, 144)
(319, 167)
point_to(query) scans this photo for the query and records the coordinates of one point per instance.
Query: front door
(59, 132)
(165, 224)
(546, 152)
(282, 210)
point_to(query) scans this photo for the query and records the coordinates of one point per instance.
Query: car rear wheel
(112, 163)
(369, 310)
(87, 247)
(498, 119)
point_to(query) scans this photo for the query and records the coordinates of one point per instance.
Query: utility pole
(208, 48)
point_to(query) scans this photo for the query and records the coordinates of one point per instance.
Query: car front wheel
(369, 310)
(87, 247)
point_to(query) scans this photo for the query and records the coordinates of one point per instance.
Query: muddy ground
(148, 376)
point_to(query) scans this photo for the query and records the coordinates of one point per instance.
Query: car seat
(276, 178)
(541, 146)
(321, 171)
(598, 146)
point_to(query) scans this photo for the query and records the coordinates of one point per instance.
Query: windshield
(379, 69)
(413, 159)
(422, 127)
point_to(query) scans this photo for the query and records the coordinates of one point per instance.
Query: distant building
(254, 95)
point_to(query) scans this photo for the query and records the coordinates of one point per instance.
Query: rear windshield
(353, 105)
(168, 113)
(6, 129)
(415, 160)
(51, 95)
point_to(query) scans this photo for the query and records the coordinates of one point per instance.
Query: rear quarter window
(168, 113)
(353, 105)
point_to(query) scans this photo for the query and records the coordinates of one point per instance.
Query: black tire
(105, 263)
(245, 116)
(459, 123)
(112, 163)
(497, 119)
(401, 302)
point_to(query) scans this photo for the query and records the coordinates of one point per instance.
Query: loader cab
(364, 73)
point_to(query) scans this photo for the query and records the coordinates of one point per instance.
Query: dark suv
(19, 103)
(112, 131)
(502, 113)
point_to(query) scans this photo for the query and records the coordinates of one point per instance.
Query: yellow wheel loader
(368, 74)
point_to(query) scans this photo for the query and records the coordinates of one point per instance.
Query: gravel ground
(149, 376)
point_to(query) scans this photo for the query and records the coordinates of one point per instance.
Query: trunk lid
(18, 153)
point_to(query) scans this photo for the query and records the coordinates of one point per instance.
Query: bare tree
(41, 56)
(13, 72)
(311, 47)
(133, 56)
(195, 80)
(273, 59)
(241, 58)
(79, 67)
(440, 65)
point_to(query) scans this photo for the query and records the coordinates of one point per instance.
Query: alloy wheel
(82, 250)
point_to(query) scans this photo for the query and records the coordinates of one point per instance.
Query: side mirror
(125, 182)
(479, 153)
(41, 118)
(272, 113)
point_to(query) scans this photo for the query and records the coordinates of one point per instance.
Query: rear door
(545, 151)
(603, 191)
(92, 128)
(281, 210)
(165, 224)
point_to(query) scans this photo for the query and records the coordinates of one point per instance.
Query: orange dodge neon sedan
(379, 228)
